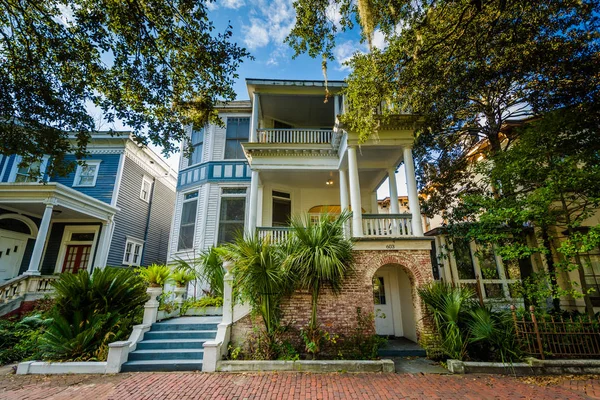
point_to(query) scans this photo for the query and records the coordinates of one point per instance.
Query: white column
(355, 193)
(374, 207)
(413, 197)
(104, 244)
(344, 200)
(253, 206)
(254, 122)
(227, 293)
(336, 107)
(394, 208)
(40, 241)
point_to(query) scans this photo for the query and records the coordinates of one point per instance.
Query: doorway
(393, 305)
(77, 257)
(12, 248)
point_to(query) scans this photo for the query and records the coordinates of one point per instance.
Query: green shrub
(19, 339)
(92, 311)
(182, 277)
(202, 302)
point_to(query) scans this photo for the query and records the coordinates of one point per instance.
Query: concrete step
(168, 335)
(164, 365)
(166, 354)
(158, 327)
(172, 344)
(401, 353)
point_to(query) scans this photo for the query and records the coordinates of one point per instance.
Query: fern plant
(182, 277)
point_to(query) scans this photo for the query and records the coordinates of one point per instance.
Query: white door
(384, 317)
(11, 253)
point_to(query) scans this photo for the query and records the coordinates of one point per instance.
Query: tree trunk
(551, 268)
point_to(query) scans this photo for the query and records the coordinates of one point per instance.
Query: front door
(384, 317)
(76, 257)
(11, 254)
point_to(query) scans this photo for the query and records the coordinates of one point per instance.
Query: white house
(285, 152)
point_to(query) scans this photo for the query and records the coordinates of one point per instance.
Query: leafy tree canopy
(466, 66)
(152, 64)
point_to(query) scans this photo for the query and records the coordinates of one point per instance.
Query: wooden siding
(27, 256)
(107, 176)
(10, 161)
(52, 248)
(161, 214)
(130, 220)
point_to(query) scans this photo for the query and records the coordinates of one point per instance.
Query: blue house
(115, 209)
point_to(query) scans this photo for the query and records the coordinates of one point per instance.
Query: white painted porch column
(413, 197)
(355, 193)
(344, 200)
(394, 207)
(104, 244)
(253, 206)
(40, 241)
(374, 205)
(254, 121)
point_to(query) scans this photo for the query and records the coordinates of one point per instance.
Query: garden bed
(307, 366)
(204, 311)
(532, 366)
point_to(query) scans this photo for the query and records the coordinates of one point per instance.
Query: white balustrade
(276, 234)
(25, 284)
(295, 136)
(386, 225)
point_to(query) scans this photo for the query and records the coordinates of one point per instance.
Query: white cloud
(270, 23)
(379, 41)
(344, 52)
(235, 4)
(333, 13)
(212, 6)
(256, 35)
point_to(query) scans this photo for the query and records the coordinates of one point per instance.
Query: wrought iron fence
(547, 336)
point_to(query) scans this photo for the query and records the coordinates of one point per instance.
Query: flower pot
(179, 291)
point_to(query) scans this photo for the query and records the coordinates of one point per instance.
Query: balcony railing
(277, 233)
(295, 136)
(386, 225)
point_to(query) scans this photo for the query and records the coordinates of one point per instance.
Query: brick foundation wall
(337, 314)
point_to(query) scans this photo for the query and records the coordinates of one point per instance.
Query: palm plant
(450, 306)
(207, 268)
(493, 332)
(319, 255)
(182, 277)
(156, 275)
(259, 276)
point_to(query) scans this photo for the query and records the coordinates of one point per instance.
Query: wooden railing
(26, 284)
(295, 136)
(383, 225)
(547, 336)
(277, 234)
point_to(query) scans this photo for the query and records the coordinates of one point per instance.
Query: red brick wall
(337, 314)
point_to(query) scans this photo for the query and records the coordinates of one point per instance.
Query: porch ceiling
(298, 111)
(32, 198)
(316, 179)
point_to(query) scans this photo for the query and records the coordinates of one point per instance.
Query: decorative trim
(117, 188)
(27, 221)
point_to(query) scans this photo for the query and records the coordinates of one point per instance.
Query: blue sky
(261, 27)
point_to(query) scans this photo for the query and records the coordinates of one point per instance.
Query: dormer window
(87, 173)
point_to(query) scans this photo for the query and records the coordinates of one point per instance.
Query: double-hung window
(238, 130)
(197, 144)
(232, 214)
(133, 252)
(146, 189)
(32, 172)
(87, 173)
(188, 221)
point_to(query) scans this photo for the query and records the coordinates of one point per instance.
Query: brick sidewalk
(154, 386)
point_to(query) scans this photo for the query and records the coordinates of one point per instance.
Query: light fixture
(329, 182)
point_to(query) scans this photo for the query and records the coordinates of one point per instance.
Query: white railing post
(355, 193)
(227, 293)
(151, 306)
(413, 196)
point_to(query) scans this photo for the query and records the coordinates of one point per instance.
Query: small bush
(155, 275)
(19, 339)
(202, 302)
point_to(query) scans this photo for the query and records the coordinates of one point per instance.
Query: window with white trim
(146, 188)
(32, 172)
(87, 173)
(197, 143)
(238, 130)
(188, 221)
(133, 252)
(232, 214)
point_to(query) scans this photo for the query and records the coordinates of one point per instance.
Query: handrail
(377, 216)
(387, 225)
(25, 284)
(295, 136)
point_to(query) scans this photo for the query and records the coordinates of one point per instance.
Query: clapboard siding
(105, 183)
(131, 218)
(27, 256)
(161, 214)
(52, 248)
(3, 161)
(210, 232)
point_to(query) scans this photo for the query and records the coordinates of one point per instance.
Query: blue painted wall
(107, 176)
(10, 161)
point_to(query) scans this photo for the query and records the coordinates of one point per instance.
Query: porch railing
(383, 225)
(276, 233)
(295, 136)
(26, 284)
(557, 337)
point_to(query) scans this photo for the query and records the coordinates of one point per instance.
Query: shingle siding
(105, 183)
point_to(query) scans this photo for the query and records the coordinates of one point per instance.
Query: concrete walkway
(182, 385)
(417, 365)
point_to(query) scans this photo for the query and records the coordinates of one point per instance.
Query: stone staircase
(173, 345)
